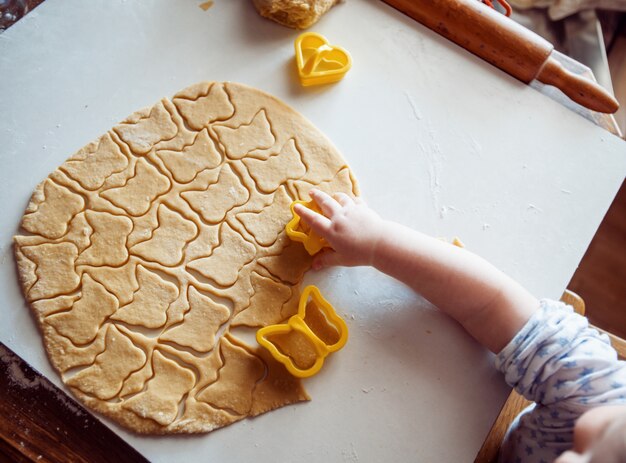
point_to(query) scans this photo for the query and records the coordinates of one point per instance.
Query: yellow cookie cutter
(313, 243)
(455, 241)
(297, 323)
(319, 62)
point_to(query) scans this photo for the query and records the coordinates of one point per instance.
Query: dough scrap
(143, 250)
(298, 14)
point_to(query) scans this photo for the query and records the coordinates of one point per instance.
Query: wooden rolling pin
(505, 44)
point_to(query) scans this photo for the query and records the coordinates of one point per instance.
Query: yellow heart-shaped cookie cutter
(318, 62)
(298, 323)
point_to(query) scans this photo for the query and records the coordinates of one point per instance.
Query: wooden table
(41, 423)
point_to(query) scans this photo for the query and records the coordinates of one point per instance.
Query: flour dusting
(474, 147)
(350, 454)
(416, 112)
(18, 378)
(434, 155)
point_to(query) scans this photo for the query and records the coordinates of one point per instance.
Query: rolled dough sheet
(148, 249)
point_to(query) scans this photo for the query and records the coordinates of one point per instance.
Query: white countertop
(438, 140)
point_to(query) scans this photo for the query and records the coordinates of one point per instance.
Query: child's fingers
(317, 222)
(343, 199)
(326, 258)
(327, 204)
(359, 200)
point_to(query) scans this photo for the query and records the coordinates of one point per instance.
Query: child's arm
(490, 306)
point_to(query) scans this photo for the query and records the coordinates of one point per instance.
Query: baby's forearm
(491, 306)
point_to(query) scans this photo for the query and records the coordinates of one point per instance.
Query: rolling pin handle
(583, 91)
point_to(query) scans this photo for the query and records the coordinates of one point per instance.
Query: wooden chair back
(516, 403)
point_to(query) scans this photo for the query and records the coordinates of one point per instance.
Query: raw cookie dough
(298, 14)
(142, 254)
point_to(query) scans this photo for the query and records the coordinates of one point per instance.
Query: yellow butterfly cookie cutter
(313, 243)
(319, 62)
(307, 326)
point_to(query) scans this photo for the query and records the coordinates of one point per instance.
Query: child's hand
(489, 305)
(348, 225)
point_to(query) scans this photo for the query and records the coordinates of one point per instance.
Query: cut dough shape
(136, 196)
(94, 163)
(287, 260)
(168, 240)
(104, 378)
(144, 226)
(236, 379)
(46, 307)
(65, 355)
(82, 323)
(241, 140)
(265, 307)
(142, 252)
(52, 210)
(204, 243)
(270, 173)
(164, 391)
(201, 110)
(200, 324)
(200, 155)
(227, 259)
(79, 232)
(119, 281)
(142, 133)
(219, 198)
(337, 183)
(150, 302)
(108, 240)
(266, 224)
(54, 267)
(137, 380)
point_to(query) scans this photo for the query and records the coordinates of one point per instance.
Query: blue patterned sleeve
(566, 368)
(557, 357)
